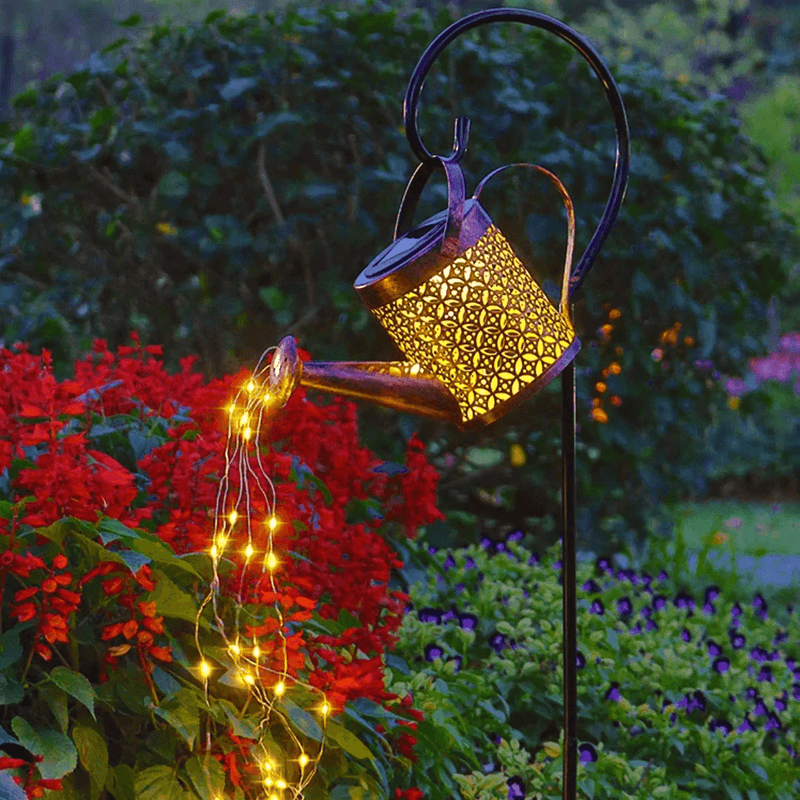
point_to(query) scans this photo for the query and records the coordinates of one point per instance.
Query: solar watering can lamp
(479, 335)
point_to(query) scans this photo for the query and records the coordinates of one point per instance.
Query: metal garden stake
(479, 335)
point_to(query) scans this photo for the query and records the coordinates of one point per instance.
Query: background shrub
(222, 184)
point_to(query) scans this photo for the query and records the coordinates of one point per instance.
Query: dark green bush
(222, 185)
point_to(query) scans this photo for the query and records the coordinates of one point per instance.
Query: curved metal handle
(595, 62)
(563, 305)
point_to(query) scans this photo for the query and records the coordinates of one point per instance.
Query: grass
(755, 529)
(747, 547)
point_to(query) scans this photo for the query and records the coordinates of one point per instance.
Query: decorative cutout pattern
(481, 325)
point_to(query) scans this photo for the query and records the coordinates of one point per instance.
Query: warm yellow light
(248, 679)
(273, 523)
(268, 765)
(256, 651)
(235, 649)
(205, 669)
(232, 517)
(243, 420)
(248, 551)
(222, 540)
(247, 433)
(268, 782)
(325, 708)
(214, 551)
(250, 386)
(303, 760)
(281, 784)
(279, 687)
(271, 561)
(231, 408)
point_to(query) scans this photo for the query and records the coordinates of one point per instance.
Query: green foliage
(220, 185)
(511, 691)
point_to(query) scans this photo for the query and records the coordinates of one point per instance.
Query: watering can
(479, 334)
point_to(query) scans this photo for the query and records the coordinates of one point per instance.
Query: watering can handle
(455, 201)
(563, 306)
(577, 41)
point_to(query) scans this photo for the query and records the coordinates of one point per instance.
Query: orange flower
(614, 368)
(598, 415)
(129, 628)
(600, 387)
(615, 313)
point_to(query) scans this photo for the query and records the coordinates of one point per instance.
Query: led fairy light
(233, 537)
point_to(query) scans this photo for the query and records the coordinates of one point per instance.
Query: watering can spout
(393, 384)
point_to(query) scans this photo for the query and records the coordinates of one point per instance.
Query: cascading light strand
(244, 487)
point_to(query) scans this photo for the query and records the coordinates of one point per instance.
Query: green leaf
(237, 86)
(10, 648)
(348, 741)
(10, 691)
(158, 783)
(129, 22)
(101, 118)
(301, 719)
(58, 752)
(214, 16)
(56, 700)
(123, 782)
(160, 552)
(241, 727)
(172, 601)
(173, 184)
(93, 755)
(180, 710)
(272, 121)
(134, 561)
(75, 685)
(207, 776)
(117, 43)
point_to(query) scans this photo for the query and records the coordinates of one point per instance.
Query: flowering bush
(681, 694)
(754, 442)
(108, 483)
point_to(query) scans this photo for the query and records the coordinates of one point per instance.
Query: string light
(243, 488)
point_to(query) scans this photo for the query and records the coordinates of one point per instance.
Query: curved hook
(577, 41)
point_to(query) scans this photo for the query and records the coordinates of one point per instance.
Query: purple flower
(709, 608)
(469, 622)
(737, 639)
(580, 660)
(686, 635)
(604, 565)
(750, 693)
(587, 753)
(647, 578)
(624, 606)
(534, 560)
(713, 648)
(651, 625)
(759, 654)
(747, 725)
(781, 703)
(487, 543)
(796, 691)
(766, 673)
(697, 702)
(736, 611)
(516, 788)
(596, 607)
(515, 536)
(613, 692)
(790, 343)
(459, 661)
(684, 600)
(497, 642)
(432, 652)
(721, 664)
(430, 615)
(663, 575)
(735, 387)
(711, 594)
(760, 708)
(494, 738)
(591, 587)
(469, 563)
(772, 723)
(449, 562)
(721, 725)
(659, 601)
